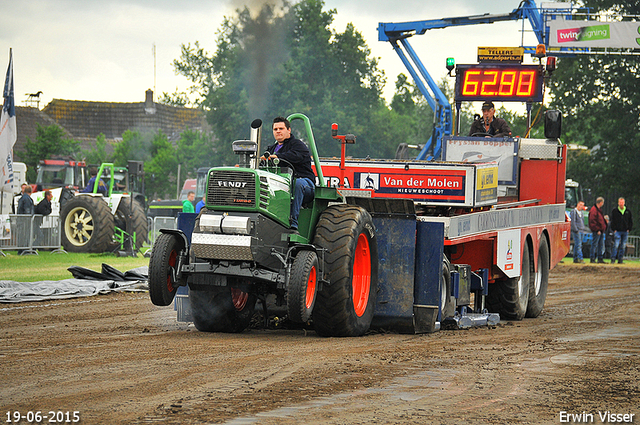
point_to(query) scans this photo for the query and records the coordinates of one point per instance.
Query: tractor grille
(231, 188)
(264, 192)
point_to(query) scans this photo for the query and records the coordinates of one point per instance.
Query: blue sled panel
(429, 248)
(186, 222)
(396, 236)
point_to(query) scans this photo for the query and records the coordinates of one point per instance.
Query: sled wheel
(510, 297)
(221, 308)
(162, 269)
(345, 306)
(301, 294)
(447, 301)
(540, 282)
(87, 225)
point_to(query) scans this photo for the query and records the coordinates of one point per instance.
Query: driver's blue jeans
(304, 192)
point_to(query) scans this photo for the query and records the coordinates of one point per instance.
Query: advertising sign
(623, 35)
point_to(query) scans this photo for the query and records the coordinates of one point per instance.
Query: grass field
(48, 266)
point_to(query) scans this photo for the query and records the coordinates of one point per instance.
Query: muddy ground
(118, 359)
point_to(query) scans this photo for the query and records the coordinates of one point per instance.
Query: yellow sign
(501, 54)
(486, 183)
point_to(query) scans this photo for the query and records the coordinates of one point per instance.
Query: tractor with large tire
(94, 223)
(243, 249)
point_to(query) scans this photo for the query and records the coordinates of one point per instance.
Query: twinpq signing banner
(623, 35)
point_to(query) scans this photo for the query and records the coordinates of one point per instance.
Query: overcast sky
(101, 50)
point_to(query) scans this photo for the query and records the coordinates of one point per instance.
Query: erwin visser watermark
(598, 417)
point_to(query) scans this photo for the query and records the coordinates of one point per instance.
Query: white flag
(8, 131)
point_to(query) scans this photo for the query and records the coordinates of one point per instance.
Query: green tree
(133, 146)
(283, 61)
(194, 149)
(98, 154)
(161, 168)
(50, 142)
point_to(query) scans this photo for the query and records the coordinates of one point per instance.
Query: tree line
(285, 59)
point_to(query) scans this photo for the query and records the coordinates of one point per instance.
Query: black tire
(447, 301)
(162, 269)
(221, 308)
(540, 282)
(139, 224)
(87, 225)
(346, 305)
(510, 297)
(302, 291)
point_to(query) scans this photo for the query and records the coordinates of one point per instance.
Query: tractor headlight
(226, 224)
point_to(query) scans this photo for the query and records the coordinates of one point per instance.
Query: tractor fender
(178, 233)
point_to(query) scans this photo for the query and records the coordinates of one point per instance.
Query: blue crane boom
(398, 33)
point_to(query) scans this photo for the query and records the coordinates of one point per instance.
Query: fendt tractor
(460, 236)
(409, 245)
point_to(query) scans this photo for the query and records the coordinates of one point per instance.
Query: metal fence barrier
(632, 250)
(157, 223)
(28, 233)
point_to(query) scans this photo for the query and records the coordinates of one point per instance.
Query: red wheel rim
(172, 264)
(311, 288)
(239, 298)
(361, 275)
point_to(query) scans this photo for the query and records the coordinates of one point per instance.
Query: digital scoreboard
(502, 83)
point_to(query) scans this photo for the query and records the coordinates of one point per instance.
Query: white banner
(623, 35)
(8, 131)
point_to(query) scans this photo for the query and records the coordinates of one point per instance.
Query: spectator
(621, 224)
(598, 226)
(577, 229)
(608, 240)
(25, 204)
(187, 204)
(200, 203)
(44, 206)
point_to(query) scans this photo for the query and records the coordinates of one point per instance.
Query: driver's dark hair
(284, 120)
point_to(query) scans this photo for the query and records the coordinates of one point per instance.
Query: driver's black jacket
(297, 154)
(497, 128)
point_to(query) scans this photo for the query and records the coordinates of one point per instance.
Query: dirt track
(119, 359)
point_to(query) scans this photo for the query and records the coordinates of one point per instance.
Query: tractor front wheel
(163, 269)
(301, 294)
(345, 306)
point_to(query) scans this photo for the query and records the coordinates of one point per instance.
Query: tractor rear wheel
(139, 224)
(510, 297)
(345, 306)
(162, 269)
(540, 282)
(87, 224)
(221, 308)
(302, 290)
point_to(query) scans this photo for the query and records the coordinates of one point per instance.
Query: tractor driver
(92, 181)
(488, 125)
(296, 153)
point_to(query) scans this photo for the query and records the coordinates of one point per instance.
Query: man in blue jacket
(296, 153)
(578, 228)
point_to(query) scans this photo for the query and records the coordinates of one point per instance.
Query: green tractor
(96, 222)
(243, 249)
